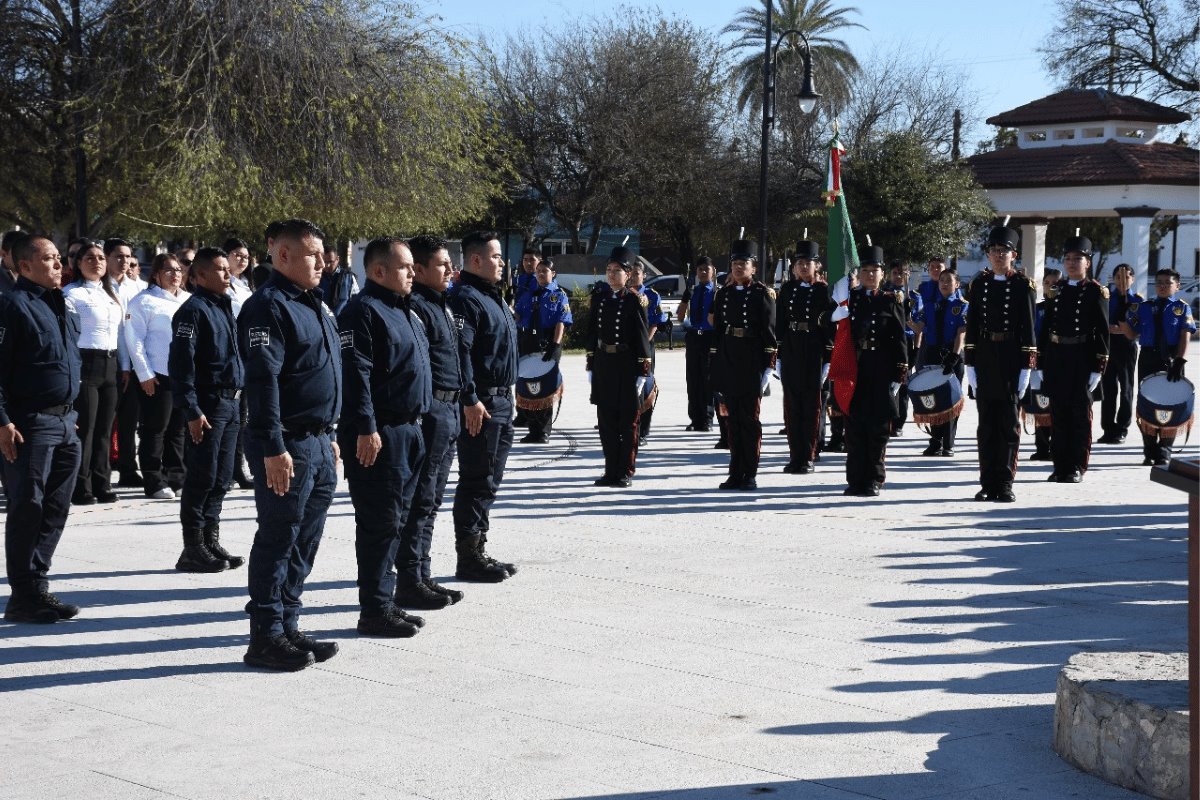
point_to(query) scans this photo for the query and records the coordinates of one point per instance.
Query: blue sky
(994, 44)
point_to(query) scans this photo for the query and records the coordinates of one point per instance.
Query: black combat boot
(26, 605)
(387, 625)
(453, 594)
(511, 569)
(472, 565)
(278, 653)
(321, 651)
(196, 557)
(419, 595)
(212, 540)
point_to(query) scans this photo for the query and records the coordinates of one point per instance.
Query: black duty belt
(298, 431)
(397, 419)
(446, 395)
(797, 326)
(740, 333)
(1056, 339)
(56, 411)
(1005, 336)
(90, 353)
(223, 392)
(495, 391)
(613, 348)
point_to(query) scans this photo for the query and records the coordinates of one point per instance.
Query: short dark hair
(1168, 271)
(232, 243)
(532, 249)
(548, 263)
(424, 246)
(272, 230)
(296, 228)
(205, 256)
(10, 239)
(1051, 272)
(330, 247)
(379, 248)
(477, 242)
(160, 261)
(704, 261)
(24, 247)
(948, 271)
(114, 243)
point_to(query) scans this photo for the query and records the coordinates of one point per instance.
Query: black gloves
(950, 362)
(1175, 371)
(551, 352)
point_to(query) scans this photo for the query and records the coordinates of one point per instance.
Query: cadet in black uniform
(1000, 354)
(290, 346)
(385, 372)
(654, 318)
(805, 346)
(1072, 354)
(744, 355)
(696, 307)
(1117, 384)
(618, 363)
(488, 341)
(877, 325)
(1041, 433)
(207, 377)
(39, 381)
(440, 428)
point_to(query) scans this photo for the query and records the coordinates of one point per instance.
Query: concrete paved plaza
(668, 641)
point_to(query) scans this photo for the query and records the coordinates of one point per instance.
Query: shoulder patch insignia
(1104, 292)
(642, 299)
(259, 337)
(185, 330)
(956, 310)
(460, 321)
(1178, 310)
(347, 339)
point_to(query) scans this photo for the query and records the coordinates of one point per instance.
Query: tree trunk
(594, 239)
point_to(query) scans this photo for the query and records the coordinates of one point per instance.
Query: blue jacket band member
(543, 316)
(695, 310)
(1072, 355)
(618, 364)
(386, 375)
(942, 324)
(292, 353)
(207, 377)
(488, 342)
(802, 325)
(39, 381)
(744, 352)
(1000, 354)
(1117, 382)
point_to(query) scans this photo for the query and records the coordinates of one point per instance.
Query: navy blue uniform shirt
(39, 350)
(950, 312)
(541, 309)
(385, 360)
(204, 352)
(1161, 322)
(700, 302)
(445, 358)
(487, 337)
(289, 343)
(523, 282)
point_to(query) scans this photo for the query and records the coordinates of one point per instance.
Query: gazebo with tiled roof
(1090, 153)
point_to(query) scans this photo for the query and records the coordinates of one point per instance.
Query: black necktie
(939, 322)
(1159, 311)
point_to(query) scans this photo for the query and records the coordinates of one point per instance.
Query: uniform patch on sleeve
(185, 330)
(259, 337)
(460, 321)
(347, 339)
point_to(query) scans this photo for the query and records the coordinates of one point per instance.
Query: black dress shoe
(83, 499)
(1161, 462)
(803, 468)
(721, 445)
(790, 468)
(603, 481)
(703, 429)
(983, 496)
(690, 427)
(1074, 476)
(731, 483)
(932, 450)
(749, 485)
(321, 651)
(1004, 496)
(419, 595)
(623, 482)
(1039, 455)
(278, 653)
(106, 497)
(131, 480)
(947, 452)
(1147, 462)
(1052, 477)
(783, 431)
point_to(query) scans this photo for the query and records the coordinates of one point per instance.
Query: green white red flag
(841, 259)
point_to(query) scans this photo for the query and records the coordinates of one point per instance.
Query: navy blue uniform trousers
(440, 429)
(382, 494)
(38, 488)
(481, 462)
(210, 463)
(289, 530)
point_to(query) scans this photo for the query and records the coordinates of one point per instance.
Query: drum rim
(928, 369)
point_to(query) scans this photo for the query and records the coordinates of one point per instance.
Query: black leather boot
(196, 557)
(419, 595)
(472, 565)
(453, 594)
(212, 540)
(278, 653)
(511, 569)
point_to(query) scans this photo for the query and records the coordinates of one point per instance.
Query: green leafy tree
(909, 201)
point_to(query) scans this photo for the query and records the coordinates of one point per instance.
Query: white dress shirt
(101, 319)
(239, 292)
(148, 330)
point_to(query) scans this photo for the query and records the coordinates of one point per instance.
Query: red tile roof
(1087, 105)
(1108, 164)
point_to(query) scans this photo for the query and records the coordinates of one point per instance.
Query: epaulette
(1103, 291)
(770, 292)
(643, 300)
(1032, 282)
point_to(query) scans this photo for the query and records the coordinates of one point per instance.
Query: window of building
(1131, 133)
(1064, 134)
(1092, 133)
(1035, 136)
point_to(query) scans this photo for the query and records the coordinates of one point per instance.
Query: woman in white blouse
(101, 314)
(148, 338)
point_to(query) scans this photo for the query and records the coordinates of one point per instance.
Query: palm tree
(833, 63)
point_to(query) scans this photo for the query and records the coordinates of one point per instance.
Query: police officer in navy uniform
(1000, 354)
(805, 345)
(440, 427)
(942, 324)
(39, 381)
(292, 354)
(744, 352)
(543, 316)
(207, 377)
(694, 309)
(488, 341)
(618, 365)
(386, 375)
(1072, 355)
(1117, 384)
(877, 325)
(654, 318)
(1163, 328)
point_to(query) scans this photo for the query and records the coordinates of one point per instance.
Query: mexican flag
(841, 258)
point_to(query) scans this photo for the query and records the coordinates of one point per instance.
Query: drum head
(927, 378)
(532, 366)
(1163, 392)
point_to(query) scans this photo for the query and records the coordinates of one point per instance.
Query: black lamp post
(808, 100)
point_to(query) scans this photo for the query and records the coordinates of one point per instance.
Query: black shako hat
(742, 250)
(871, 255)
(1005, 237)
(1078, 244)
(623, 256)
(808, 249)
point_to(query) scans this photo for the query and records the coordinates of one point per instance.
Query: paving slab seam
(142, 785)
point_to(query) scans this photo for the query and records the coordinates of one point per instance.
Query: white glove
(589, 372)
(766, 379)
(824, 374)
(1093, 382)
(1023, 382)
(640, 383)
(971, 378)
(895, 387)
